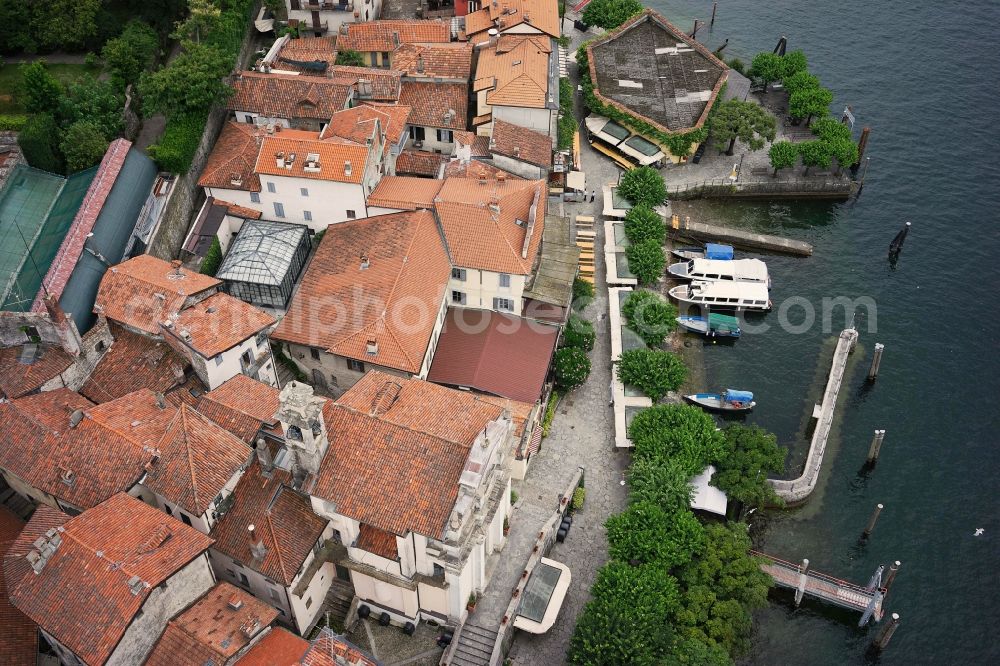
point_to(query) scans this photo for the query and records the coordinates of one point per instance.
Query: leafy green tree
(783, 154)
(582, 289)
(203, 17)
(800, 81)
(83, 145)
(609, 14)
(766, 67)
(792, 63)
(810, 102)
(815, 154)
(645, 533)
(736, 120)
(571, 367)
(213, 258)
(350, 58)
(845, 150)
(748, 455)
(95, 101)
(65, 24)
(643, 185)
(737, 65)
(649, 316)
(579, 333)
(15, 17)
(652, 371)
(646, 261)
(690, 650)
(131, 53)
(39, 141)
(191, 83)
(681, 433)
(627, 619)
(643, 223)
(40, 91)
(830, 129)
(662, 482)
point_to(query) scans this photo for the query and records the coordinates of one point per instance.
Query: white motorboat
(710, 270)
(724, 294)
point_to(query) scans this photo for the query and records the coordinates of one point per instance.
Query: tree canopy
(40, 91)
(95, 101)
(748, 455)
(663, 482)
(815, 153)
(801, 80)
(810, 102)
(646, 261)
(350, 58)
(643, 186)
(203, 17)
(609, 14)
(38, 140)
(191, 83)
(792, 63)
(644, 223)
(683, 433)
(736, 120)
(83, 145)
(646, 533)
(845, 150)
(649, 316)
(766, 67)
(66, 24)
(131, 53)
(652, 371)
(783, 154)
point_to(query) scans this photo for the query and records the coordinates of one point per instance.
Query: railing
(723, 187)
(814, 574)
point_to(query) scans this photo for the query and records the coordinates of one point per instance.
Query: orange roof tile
(18, 634)
(279, 647)
(306, 49)
(384, 36)
(339, 160)
(214, 629)
(476, 169)
(18, 379)
(377, 541)
(419, 163)
(134, 362)
(521, 144)
(242, 406)
(330, 649)
(239, 211)
(144, 291)
(101, 551)
(452, 60)
(230, 165)
(542, 15)
(288, 96)
(493, 225)
(436, 104)
(380, 85)
(358, 124)
(218, 323)
(518, 76)
(394, 300)
(405, 192)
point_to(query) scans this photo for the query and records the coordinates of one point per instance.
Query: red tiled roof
(481, 219)
(393, 301)
(436, 104)
(306, 49)
(230, 165)
(212, 631)
(242, 406)
(520, 412)
(383, 84)
(358, 124)
(281, 516)
(399, 448)
(521, 144)
(288, 96)
(18, 634)
(452, 60)
(456, 168)
(134, 362)
(186, 393)
(377, 541)
(543, 15)
(279, 647)
(518, 76)
(330, 649)
(18, 379)
(497, 353)
(218, 323)
(101, 551)
(420, 163)
(239, 211)
(336, 157)
(384, 36)
(144, 291)
(405, 192)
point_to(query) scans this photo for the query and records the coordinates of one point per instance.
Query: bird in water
(979, 531)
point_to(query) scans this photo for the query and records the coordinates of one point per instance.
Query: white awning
(576, 180)
(707, 497)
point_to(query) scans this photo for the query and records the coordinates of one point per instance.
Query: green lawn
(10, 80)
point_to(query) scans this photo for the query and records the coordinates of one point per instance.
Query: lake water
(923, 75)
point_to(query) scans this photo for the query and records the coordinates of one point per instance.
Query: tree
(810, 102)
(350, 58)
(643, 185)
(792, 63)
(643, 223)
(766, 67)
(663, 482)
(579, 333)
(692, 651)
(15, 17)
(203, 17)
(815, 154)
(39, 141)
(131, 53)
(95, 101)
(191, 83)
(845, 150)
(65, 24)
(681, 433)
(800, 81)
(652, 371)
(783, 154)
(40, 91)
(213, 258)
(609, 14)
(829, 129)
(646, 261)
(645, 533)
(736, 120)
(571, 367)
(83, 145)
(748, 455)
(649, 316)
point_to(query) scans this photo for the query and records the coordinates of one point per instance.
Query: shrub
(645, 533)
(582, 289)
(566, 126)
(652, 371)
(83, 145)
(213, 258)
(646, 261)
(550, 413)
(12, 122)
(350, 58)
(737, 65)
(579, 333)
(578, 496)
(663, 482)
(644, 223)
(681, 433)
(571, 367)
(514, 496)
(649, 316)
(179, 143)
(609, 14)
(643, 185)
(38, 140)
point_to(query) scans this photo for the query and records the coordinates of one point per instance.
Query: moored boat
(723, 294)
(710, 251)
(712, 326)
(730, 401)
(737, 270)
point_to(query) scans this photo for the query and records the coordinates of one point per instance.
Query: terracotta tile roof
(18, 379)
(134, 362)
(242, 406)
(288, 96)
(452, 60)
(218, 323)
(144, 291)
(18, 634)
(419, 163)
(543, 15)
(239, 211)
(520, 412)
(330, 649)
(382, 85)
(334, 156)
(480, 221)
(405, 192)
(306, 49)
(497, 353)
(407, 268)
(518, 76)
(186, 393)
(279, 647)
(101, 551)
(475, 169)
(433, 103)
(377, 541)
(212, 630)
(384, 36)
(521, 144)
(197, 459)
(281, 516)
(396, 118)
(358, 124)
(399, 448)
(231, 163)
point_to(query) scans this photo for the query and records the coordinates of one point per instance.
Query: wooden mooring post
(886, 634)
(876, 446)
(714, 7)
(891, 576)
(876, 362)
(871, 521)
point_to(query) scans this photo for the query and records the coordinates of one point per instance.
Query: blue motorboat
(712, 326)
(710, 251)
(730, 401)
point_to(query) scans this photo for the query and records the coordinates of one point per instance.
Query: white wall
(480, 287)
(368, 10)
(386, 595)
(430, 141)
(539, 120)
(257, 119)
(206, 521)
(229, 365)
(265, 589)
(523, 169)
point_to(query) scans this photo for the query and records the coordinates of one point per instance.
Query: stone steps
(475, 646)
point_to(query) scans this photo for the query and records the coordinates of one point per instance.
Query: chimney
(347, 168)
(250, 626)
(420, 63)
(364, 261)
(257, 548)
(69, 336)
(264, 457)
(279, 160)
(395, 38)
(371, 346)
(161, 403)
(176, 265)
(235, 602)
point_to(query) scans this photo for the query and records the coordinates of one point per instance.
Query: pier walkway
(796, 491)
(738, 237)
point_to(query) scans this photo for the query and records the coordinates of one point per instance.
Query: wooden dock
(796, 491)
(821, 586)
(738, 237)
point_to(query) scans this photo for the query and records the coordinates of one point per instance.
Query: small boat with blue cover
(712, 326)
(710, 251)
(730, 401)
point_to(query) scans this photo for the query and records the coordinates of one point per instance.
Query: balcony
(253, 368)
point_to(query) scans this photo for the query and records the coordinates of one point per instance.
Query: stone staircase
(338, 601)
(475, 646)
